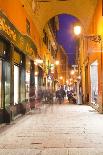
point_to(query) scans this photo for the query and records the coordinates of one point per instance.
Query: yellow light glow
(71, 79)
(52, 66)
(72, 72)
(36, 73)
(57, 62)
(39, 61)
(61, 77)
(79, 77)
(67, 81)
(77, 30)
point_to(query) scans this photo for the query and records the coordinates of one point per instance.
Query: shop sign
(23, 42)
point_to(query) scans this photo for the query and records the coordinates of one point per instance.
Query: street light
(72, 72)
(77, 30)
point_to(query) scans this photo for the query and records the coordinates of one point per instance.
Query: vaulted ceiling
(43, 10)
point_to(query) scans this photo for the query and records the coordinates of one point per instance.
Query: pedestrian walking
(59, 96)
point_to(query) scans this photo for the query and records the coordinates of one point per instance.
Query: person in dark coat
(63, 94)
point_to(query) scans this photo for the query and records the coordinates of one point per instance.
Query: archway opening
(64, 34)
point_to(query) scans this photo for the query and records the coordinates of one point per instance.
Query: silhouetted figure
(70, 96)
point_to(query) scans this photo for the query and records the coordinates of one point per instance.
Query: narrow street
(55, 130)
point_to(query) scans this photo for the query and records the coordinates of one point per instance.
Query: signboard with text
(23, 42)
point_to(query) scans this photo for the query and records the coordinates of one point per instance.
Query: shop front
(19, 91)
(16, 79)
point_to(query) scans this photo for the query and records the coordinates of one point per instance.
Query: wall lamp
(95, 38)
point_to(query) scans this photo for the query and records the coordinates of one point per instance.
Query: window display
(16, 84)
(7, 83)
(22, 85)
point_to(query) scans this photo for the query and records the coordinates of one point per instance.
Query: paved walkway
(56, 130)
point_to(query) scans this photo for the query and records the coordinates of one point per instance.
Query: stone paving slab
(87, 151)
(20, 152)
(55, 130)
(52, 151)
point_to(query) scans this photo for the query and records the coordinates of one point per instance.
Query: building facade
(27, 60)
(91, 60)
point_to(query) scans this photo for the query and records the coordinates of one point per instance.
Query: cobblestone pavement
(56, 130)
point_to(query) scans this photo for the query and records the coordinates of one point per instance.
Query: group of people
(45, 95)
(49, 96)
(61, 93)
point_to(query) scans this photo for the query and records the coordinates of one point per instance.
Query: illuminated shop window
(16, 84)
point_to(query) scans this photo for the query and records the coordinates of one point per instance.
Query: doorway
(86, 85)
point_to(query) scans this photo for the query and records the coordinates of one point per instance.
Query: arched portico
(81, 9)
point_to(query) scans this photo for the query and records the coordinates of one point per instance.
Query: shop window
(22, 84)
(94, 81)
(27, 26)
(5, 74)
(16, 84)
(4, 50)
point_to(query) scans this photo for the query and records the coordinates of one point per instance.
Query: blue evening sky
(65, 36)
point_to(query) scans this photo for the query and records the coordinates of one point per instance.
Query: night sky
(65, 36)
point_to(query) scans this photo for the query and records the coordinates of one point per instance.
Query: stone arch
(78, 9)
